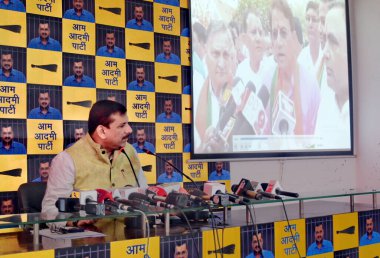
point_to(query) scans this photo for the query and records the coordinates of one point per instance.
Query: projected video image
(270, 77)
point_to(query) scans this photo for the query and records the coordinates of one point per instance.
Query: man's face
(282, 39)
(167, 47)
(168, 106)
(369, 226)
(44, 100)
(257, 244)
(255, 34)
(336, 51)
(110, 40)
(323, 8)
(141, 136)
(78, 4)
(78, 69)
(219, 166)
(220, 58)
(44, 170)
(6, 62)
(312, 23)
(7, 207)
(139, 13)
(140, 74)
(116, 136)
(319, 233)
(181, 251)
(44, 30)
(168, 168)
(78, 133)
(7, 134)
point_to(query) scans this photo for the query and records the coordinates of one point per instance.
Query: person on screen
(8, 73)
(168, 2)
(79, 79)
(370, 236)
(101, 159)
(44, 41)
(8, 145)
(139, 23)
(257, 247)
(169, 176)
(7, 207)
(141, 143)
(78, 134)
(321, 245)
(168, 116)
(78, 13)
(110, 50)
(44, 111)
(311, 56)
(219, 173)
(221, 65)
(12, 5)
(167, 56)
(333, 122)
(290, 77)
(181, 250)
(140, 84)
(43, 172)
(323, 8)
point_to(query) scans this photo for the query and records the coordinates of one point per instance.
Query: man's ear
(100, 130)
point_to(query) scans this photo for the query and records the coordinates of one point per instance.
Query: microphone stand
(164, 160)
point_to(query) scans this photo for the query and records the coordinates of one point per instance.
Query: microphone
(114, 10)
(274, 187)
(225, 133)
(153, 199)
(67, 204)
(106, 197)
(164, 160)
(219, 199)
(83, 103)
(259, 188)
(248, 193)
(283, 115)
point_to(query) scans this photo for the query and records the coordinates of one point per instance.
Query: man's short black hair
(100, 114)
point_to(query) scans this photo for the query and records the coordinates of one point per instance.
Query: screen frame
(282, 154)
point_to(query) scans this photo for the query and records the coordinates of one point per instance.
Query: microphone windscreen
(158, 190)
(139, 196)
(234, 188)
(196, 192)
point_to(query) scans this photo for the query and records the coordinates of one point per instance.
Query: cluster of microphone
(169, 196)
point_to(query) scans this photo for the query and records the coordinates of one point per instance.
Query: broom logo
(144, 45)
(349, 230)
(229, 249)
(12, 172)
(172, 78)
(13, 28)
(47, 67)
(83, 103)
(114, 10)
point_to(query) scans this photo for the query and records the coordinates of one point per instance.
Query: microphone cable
(147, 230)
(255, 228)
(191, 232)
(291, 232)
(130, 163)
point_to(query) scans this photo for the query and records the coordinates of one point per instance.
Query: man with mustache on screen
(291, 79)
(333, 122)
(216, 90)
(102, 159)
